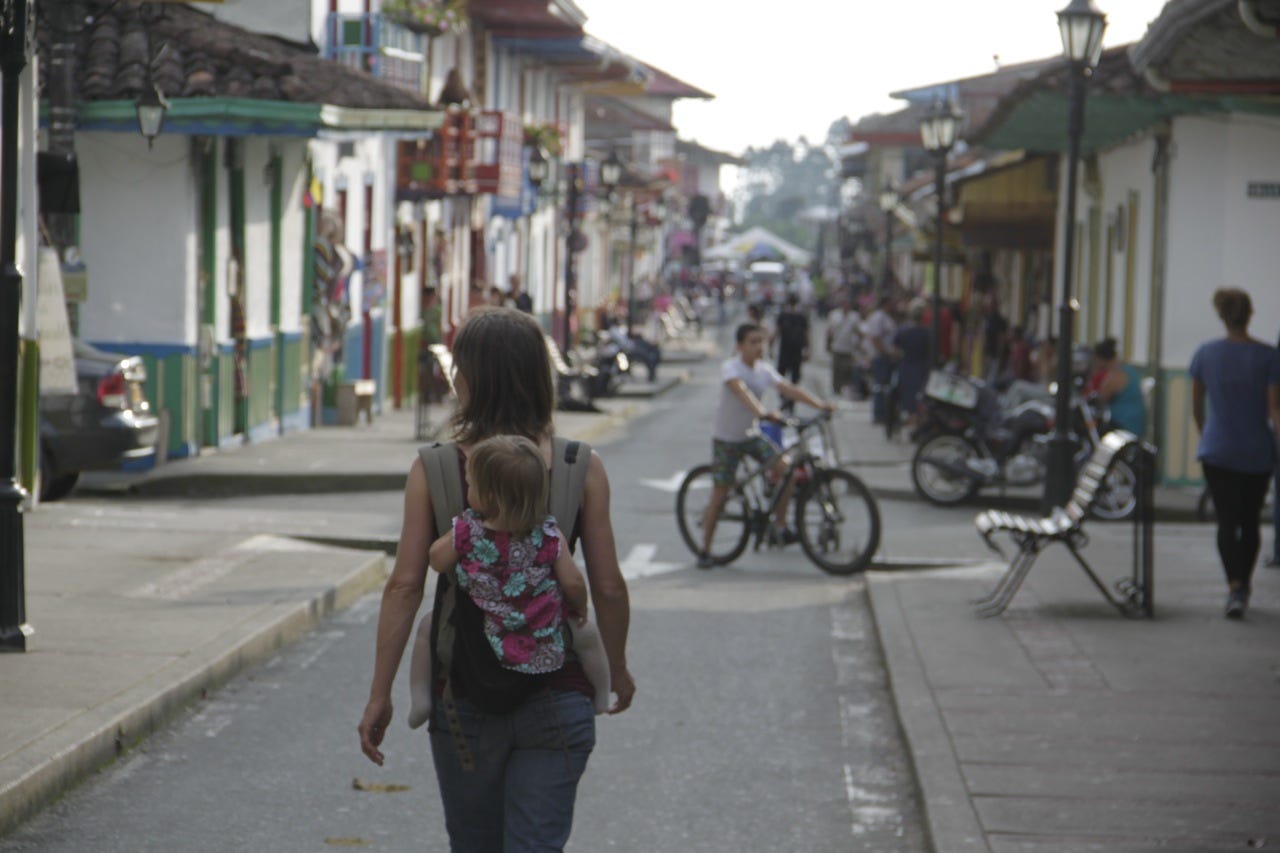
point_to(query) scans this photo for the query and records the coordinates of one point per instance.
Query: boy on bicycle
(746, 377)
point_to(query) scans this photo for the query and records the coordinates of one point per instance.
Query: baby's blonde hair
(510, 477)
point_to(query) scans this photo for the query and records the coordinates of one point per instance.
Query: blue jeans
(520, 796)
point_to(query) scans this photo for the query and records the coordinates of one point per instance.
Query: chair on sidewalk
(1032, 535)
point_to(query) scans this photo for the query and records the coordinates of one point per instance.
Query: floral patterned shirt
(512, 580)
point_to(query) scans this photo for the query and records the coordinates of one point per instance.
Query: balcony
(375, 44)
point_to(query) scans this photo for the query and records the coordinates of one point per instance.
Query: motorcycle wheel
(1118, 494)
(934, 470)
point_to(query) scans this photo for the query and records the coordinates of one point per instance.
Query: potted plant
(432, 17)
(544, 136)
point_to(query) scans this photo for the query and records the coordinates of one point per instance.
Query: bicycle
(836, 516)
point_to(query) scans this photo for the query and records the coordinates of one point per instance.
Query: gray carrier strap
(444, 486)
(567, 481)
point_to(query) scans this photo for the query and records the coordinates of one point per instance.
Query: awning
(252, 117)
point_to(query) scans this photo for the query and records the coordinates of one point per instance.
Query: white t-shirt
(733, 419)
(846, 333)
(879, 325)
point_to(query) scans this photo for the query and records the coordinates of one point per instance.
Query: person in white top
(746, 377)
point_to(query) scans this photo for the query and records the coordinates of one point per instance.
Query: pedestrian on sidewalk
(1273, 562)
(844, 337)
(878, 331)
(746, 377)
(791, 332)
(911, 344)
(527, 763)
(1240, 378)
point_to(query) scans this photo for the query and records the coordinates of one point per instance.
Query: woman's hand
(624, 686)
(373, 727)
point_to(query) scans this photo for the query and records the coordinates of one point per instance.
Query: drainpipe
(1255, 22)
(1159, 268)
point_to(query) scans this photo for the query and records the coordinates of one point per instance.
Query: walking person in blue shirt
(1273, 562)
(1240, 378)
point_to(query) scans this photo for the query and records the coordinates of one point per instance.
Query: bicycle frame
(763, 499)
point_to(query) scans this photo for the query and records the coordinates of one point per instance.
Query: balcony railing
(374, 44)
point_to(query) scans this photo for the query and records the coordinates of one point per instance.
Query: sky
(789, 70)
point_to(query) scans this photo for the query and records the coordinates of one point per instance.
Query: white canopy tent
(757, 244)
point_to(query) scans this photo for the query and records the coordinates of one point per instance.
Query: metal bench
(573, 385)
(1065, 524)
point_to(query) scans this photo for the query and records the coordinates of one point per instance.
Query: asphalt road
(763, 719)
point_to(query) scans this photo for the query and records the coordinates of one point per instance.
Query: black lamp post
(888, 203)
(611, 175)
(571, 244)
(938, 131)
(1081, 25)
(15, 48)
(539, 168)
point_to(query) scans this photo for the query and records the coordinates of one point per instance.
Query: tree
(786, 178)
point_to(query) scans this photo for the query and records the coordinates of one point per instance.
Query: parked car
(106, 423)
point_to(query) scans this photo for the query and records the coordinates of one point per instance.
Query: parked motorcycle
(980, 444)
(610, 364)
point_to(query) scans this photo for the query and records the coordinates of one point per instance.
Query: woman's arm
(443, 556)
(572, 584)
(608, 588)
(400, 599)
(1197, 403)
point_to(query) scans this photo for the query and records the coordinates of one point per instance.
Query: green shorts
(725, 456)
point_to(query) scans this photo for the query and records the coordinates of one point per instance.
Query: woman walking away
(1240, 377)
(508, 779)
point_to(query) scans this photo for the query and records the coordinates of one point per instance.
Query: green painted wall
(291, 375)
(261, 373)
(412, 340)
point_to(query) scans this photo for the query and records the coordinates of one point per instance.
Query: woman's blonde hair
(510, 477)
(1234, 307)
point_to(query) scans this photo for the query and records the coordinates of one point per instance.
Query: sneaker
(783, 536)
(1237, 601)
(705, 561)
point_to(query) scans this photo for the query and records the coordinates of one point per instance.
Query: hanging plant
(544, 136)
(433, 17)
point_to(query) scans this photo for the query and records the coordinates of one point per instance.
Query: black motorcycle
(610, 366)
(977, 443)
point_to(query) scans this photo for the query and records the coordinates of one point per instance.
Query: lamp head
(941, 127)
(1081, 25)
(151, 106)
(611, 172)
(539, 168)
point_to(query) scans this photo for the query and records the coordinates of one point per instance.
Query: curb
(950, 818)
(143, 709)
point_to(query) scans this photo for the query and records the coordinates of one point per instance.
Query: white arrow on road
(671, 484)
(639, 563)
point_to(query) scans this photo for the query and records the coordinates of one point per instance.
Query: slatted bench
(1065, 525)
(573, 388)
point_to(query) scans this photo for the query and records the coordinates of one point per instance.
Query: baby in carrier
(513, 562)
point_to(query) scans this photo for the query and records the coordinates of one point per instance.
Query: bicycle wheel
(839, 522)
(732, 530)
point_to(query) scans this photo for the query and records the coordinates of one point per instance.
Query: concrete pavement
(1060, 726)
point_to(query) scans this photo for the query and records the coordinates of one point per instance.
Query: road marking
(639, 563)
(670, 485)
(207, 570)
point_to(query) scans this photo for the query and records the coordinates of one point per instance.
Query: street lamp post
(574, 180)
(611, 175)
(938, 131)
(1081, 26)
(631, 264)
(888, 203)
(15, 22)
